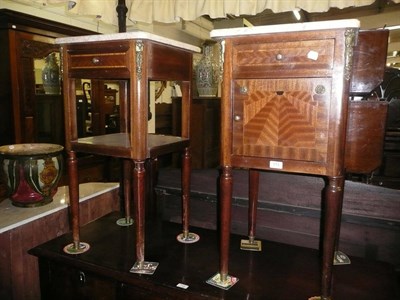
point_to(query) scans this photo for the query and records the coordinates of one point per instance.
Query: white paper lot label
(273, 164)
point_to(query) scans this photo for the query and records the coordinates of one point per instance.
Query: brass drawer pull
(95, 60)
(237, 118)
(279, 56)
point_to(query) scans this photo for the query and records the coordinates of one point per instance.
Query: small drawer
(99, 60)
(283, 58)
(105, 60)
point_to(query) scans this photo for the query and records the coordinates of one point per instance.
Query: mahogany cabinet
(284, 109)
(27, 113)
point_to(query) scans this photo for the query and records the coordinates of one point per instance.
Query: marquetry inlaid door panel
(282, 118)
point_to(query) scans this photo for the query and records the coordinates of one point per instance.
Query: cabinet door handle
(82, 278)
(95, 60)
(237, 118)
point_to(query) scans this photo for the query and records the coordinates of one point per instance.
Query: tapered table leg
(186, 236)
(340, 257)
(223, 279)
(252, 244)
(333, 204)
(127, 186)
(139, 175)
(76, 247)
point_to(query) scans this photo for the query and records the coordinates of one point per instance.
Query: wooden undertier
(289, 210)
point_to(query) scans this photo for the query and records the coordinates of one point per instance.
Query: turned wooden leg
(251, 244)
(333, 205)
(139, 189)
(223, 279)
(226, 184)
(185, 179)
(253, 199)
(340, 258)
(127, 177)
(186, 236)
(139, 193)
(77, 246)
(74, 196)
(339, 220)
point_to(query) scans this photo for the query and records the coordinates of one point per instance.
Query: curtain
(170, 11)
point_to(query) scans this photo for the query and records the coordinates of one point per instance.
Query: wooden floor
(278, 272)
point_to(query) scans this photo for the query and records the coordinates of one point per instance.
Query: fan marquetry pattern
(283, 120)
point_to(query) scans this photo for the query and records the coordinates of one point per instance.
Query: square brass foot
(144, 267)
(250, 245)
(216, 281)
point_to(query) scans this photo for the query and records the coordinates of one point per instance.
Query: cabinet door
(28, 57)
(284, 119)
(63, 282)
(49, 119)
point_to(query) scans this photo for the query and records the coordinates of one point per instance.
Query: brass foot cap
(71, 249)
(216, 281)
(188, 238)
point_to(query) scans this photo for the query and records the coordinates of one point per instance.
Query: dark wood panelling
(289, 210)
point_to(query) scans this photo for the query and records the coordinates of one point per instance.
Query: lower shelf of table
(277, 272)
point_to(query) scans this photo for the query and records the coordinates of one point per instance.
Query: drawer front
(99, 60)
(61, 282)
(282, 118)
(105, 60)
(283, 59)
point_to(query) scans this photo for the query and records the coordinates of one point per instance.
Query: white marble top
(294, 27)
(12, 216)
(127, 36)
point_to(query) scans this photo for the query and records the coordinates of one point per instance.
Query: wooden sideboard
(24, 228)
